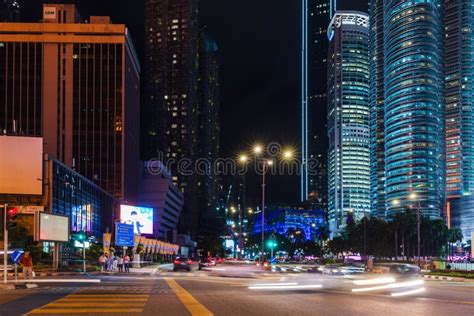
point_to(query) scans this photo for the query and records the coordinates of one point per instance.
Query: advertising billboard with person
(140, 217)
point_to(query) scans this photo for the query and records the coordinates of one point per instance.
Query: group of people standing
(111, 263)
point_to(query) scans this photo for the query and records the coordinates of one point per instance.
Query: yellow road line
(111, 295)
(103, 303)
(85, 311)
(109, 299)
(141, 304)
(191, 304)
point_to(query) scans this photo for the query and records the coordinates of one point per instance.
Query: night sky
(259, 44)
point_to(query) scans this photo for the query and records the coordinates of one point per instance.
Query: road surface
(225, 292)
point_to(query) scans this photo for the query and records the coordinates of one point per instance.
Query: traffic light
(80, 236)
(12, 217)
(272, 243)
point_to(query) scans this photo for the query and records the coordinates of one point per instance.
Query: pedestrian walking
(115, 263)
(126, 263)
(120, 264)
(27, 265)
(102, 261)
(110, 262)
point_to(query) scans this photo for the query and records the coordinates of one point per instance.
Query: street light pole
(5, 244)
(412, 197)
(418, 230)
(263, 211)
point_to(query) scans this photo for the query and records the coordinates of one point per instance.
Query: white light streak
(286, 287)
(390, 286)
(420, 290)
(374, 281)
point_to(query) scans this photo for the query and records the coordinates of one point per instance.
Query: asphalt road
(222, 292)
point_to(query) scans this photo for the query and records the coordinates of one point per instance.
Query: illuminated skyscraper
(319, 16)
(170, 95)
(377, 111)
(316, 17)
(348, 118)
(459, 94)
(414, 106)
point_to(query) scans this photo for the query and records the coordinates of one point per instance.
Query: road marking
(81, 304)
(58, 281)
(445, 301)
(94, 304)
(85, 311)
(191, 304)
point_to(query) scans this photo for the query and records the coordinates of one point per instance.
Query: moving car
(182, 263)
(404, 270)
(206, 262)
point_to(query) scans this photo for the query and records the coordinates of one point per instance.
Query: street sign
(30, 209)
(15, 256)
(124, 235)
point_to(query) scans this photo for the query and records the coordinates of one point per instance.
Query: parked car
(182, 263)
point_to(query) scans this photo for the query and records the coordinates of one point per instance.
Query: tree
(454, 235)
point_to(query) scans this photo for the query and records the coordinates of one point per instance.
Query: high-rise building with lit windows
(170, 95)
(316, 15)
(77, 85)
(348, 118)
(377, 111)
(319, 16)
(9, 11)
(413, 106)
(459, 94)
(181, 104)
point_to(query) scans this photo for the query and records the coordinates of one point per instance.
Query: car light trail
(405, 284)
(286, 287)
(420, 290)
(390, 286)
(275, 284)
(374, 281)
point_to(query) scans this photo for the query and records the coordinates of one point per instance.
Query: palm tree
(454, 235)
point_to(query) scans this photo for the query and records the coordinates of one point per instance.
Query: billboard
(53, 227)
(21, 165)
(140, 217)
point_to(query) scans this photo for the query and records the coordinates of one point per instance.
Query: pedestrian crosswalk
(83, 303)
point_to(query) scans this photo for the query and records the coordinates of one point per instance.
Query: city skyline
(204, 157)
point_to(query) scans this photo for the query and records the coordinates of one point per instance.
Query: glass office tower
(348, 118)
(377, 113)
(459, 92)
(414, 106)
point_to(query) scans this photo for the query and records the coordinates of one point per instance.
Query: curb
(52, 274)
(438, 277)
(446, 278)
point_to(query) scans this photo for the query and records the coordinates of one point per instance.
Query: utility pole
(5, 244)
(263, 210)
(418, 232)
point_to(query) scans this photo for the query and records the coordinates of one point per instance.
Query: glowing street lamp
(257, 149)
(287, 154)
